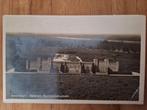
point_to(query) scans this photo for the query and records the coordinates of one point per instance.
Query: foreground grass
(86, 87)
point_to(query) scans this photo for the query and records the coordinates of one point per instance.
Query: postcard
(74, 59)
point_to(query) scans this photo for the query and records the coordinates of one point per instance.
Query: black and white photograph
(74, 59)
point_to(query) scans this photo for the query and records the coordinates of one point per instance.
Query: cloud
(73, 38)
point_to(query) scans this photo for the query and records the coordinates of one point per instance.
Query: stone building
(38, 64)
(73, 63)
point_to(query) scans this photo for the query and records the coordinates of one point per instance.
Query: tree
(82, 68)
(93, 68)
(62, 68)
(66, 68)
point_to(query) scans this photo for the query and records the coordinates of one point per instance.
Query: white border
(63, 101)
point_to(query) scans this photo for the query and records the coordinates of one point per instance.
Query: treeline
(134, 47)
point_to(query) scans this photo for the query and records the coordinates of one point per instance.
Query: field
(52, 86)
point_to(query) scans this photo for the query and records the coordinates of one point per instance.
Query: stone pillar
(27, 65)
(39, 63)
(96, 63)
(106, 61)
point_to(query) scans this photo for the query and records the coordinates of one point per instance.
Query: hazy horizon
(101, 37)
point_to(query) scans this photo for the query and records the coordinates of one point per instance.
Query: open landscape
(84, 67)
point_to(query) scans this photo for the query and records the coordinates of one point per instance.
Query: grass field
(85, 87)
